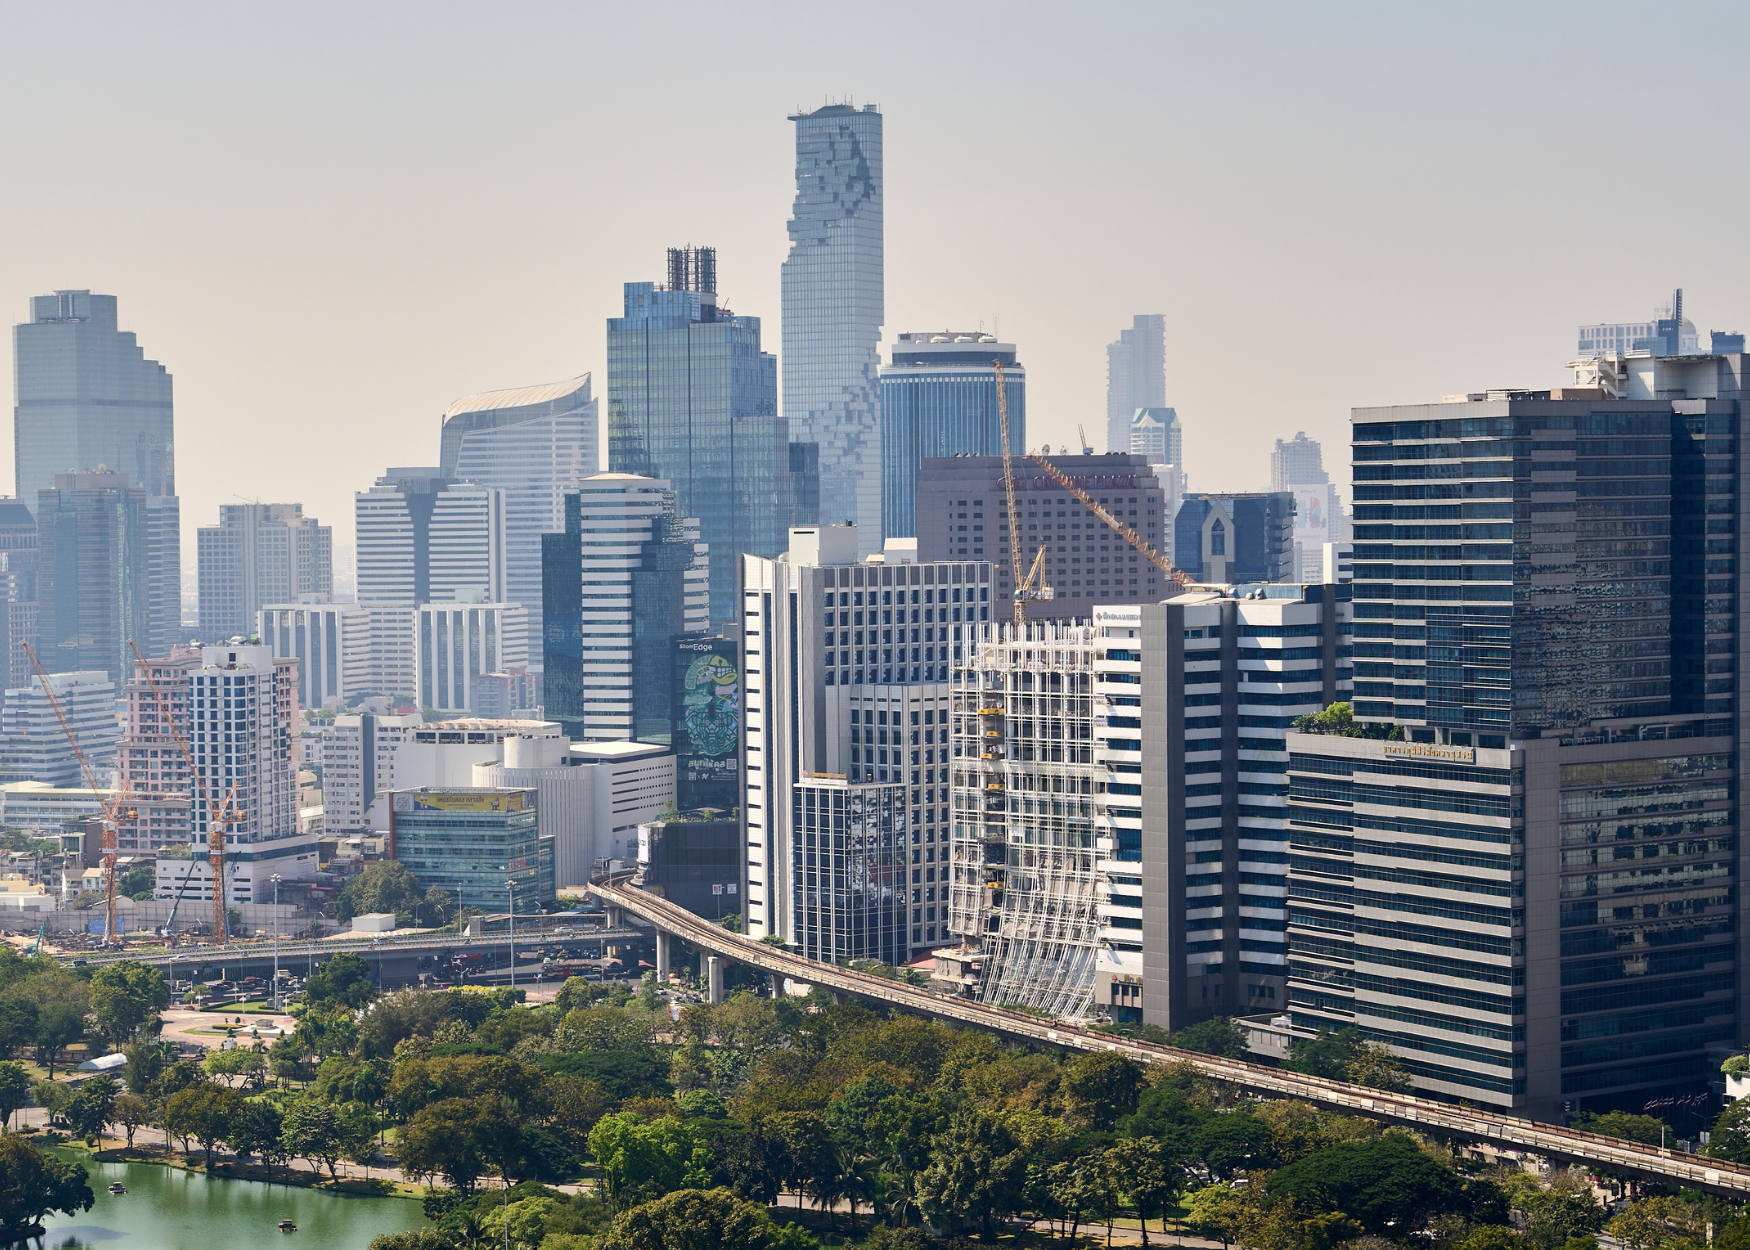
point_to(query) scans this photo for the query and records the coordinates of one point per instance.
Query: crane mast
(1024, 585)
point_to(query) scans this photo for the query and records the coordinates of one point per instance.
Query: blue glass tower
(939, 398)
(693, 400)
(833, 289)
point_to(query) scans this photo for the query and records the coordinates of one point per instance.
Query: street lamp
(276, 941)
(510, 888)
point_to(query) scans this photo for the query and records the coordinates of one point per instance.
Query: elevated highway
(1439, 1119)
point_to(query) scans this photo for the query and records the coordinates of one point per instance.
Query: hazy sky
(328, 221)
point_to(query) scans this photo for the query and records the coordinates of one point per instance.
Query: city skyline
(515, 293)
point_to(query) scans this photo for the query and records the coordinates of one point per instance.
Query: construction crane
(220, 816)
(1025, 589)
(1125, 531)
(110, 810)
(1082, 439)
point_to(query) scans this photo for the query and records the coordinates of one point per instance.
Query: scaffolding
(1026, 877)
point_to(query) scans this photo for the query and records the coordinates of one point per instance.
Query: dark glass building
(1222, 539)
(1530, 892)
(939, 398)
(693, 400)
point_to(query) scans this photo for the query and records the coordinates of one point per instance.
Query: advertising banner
(707, 723)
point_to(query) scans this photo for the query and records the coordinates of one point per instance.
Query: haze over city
(330, 222)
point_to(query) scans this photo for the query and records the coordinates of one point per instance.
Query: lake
(169, 1209)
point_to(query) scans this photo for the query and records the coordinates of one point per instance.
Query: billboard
(1314, 510)
(460, 800)
(707, 723)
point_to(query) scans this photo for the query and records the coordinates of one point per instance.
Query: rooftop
(622, 750)
(518, 396)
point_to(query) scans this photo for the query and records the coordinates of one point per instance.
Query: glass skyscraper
(694, 401)
(533, 443)
(833, 309)
(1526, 883)
(88, 398)
(939, 398)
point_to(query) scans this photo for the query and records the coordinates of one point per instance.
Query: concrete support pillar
(838, 998)
(614, 918)
(662, 941)
(714, 978)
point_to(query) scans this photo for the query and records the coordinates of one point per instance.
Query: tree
(1101, 1087)
(344, 980)
(902, 1130)
(1327, 1054)
(385, 886)
(647, 1157)
(449, 1139)
(1145, 1172)
(18, 1023)
(126, 998)
(14, 1091)
(1220, 1035)
(256, 1129)
(1657, 1221)
(88, 1110)
(976, 1173)
(1649, 1130)
(1390, 1184)
(692, 1219)
(417, 1239)
(310, 1129)
(1377, 1068)
(1339, 719)
(203, 1112)
(58, 1026)
(51, 1096)
(1730, 1138)
(1218, 1211)
(1231, 1144)
(131, 1111)
(240, 1065)
(137, 884)
(34, 1183)
(146, 1061)
(1082, 1189)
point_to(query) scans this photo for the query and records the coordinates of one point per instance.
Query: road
(1423, 1114)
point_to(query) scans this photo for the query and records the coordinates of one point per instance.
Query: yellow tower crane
(1125, 531)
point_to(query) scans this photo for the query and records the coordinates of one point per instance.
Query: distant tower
(1136, 376)
(834, 304)
(1298, 462)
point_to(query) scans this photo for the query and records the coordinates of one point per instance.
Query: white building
(628, 527)
(456, 642)
(33, 747)
(260, 553)
(151, 767)
(846, 779)
(422, 537)
(533, 443)
(358, 764)
(243, 709)
(332, 644)
(1156, 433)
(44, 810)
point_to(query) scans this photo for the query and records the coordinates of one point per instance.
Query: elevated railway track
(1440, 1119)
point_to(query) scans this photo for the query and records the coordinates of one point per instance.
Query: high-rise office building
(1236, 538)
(615, 601)
(1528, 888)
(87, 398)
(847, 669)
(483, 846)
(939, 398)
(33, 746)
(962, 513)
(694, 401)
(242, 713)
(533, 443)
(259, 553)
(163, 575)
(151, 769)
(1156, 433)
(1136, 376)
(456, 643)
(332, 644)
(834, 305)
(1666, 333)
(93, 555)
(18, 591)
(358, 764)
(422, 537)
(1298, 462)
(1119, 802)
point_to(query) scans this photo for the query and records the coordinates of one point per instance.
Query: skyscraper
(259, 553)
(87, 398)
(834, 305)
(18, 601)
(615, 601)
(1155, 432)
(847, 669)
(422, 537)
(332, 644)
(1529, 886)
(1298, 462)
(150, 766)
(33, 746)
(939, 398)
(93, 556)
(694, 401)
(533, 443)
(1136, 376)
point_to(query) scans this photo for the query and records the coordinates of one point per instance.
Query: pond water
(169, 1209)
